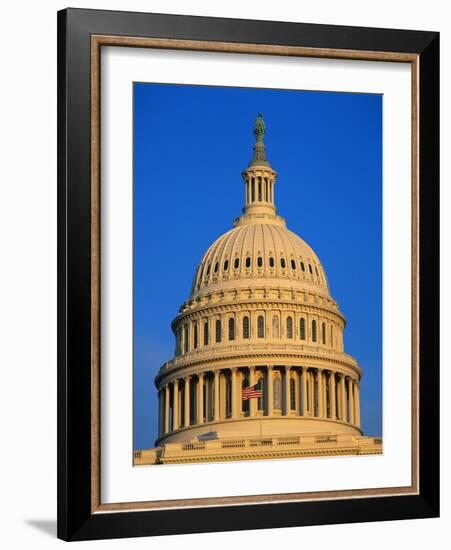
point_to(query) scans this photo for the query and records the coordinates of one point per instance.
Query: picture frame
(81, 36)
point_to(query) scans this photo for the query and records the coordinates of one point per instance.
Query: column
(319, 376)
(200, 398)
(343, 408)
(234, 396)
(252, 402)
(312, 393)
(166, 408)
(287, 390)
(357, 404)
(161, 413)
(216, 391)
(270, 396)
(304, 391)
(333, 403)
(187, 403)
(175, 406)
(351, 400)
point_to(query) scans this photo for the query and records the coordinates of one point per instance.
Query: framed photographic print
(248, 274)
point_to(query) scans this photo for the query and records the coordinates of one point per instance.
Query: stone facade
(259, 312)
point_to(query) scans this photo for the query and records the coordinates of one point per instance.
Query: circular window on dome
(271, 261)
(282, 263)
(248, 262)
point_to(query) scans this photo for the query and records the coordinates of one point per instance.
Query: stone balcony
(255, 448)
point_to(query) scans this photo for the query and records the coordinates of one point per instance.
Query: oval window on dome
(282, 263)
(310, 269)
(236, 263)
(316, 269)
(226, 265)
(216, 267)
(302, 266)
(208, 270)
(271, 261)
(259, 261)
(293, 264)
(248, 262)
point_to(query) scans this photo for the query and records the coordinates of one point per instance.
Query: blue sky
(190, 145)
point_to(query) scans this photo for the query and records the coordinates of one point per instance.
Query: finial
(259, 128)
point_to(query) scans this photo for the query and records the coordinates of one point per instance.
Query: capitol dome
(259, 252)
(259, 368)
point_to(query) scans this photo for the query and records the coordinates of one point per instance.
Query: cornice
(193, 365)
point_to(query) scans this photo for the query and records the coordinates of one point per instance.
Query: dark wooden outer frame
(80, 36)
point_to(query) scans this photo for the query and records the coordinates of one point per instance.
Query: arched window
(226, 265)
(275, 327)
(218, 330)
(302, 329)
(293, 264)
(260, 327)
(323, 333)
(259, 261)
(206, 333)
(277, 393)
(195, 336)
(266, 184)
(282, 263)
(246, 327)
(216, 267)
(289, 327)
(313, 330)
(271, 261)
(186, 338)
(331, 336)
(236, 263)
(302, 266)
(253, 189)
(231, 328)
(248, 262)
(292, 394)
(259, 189)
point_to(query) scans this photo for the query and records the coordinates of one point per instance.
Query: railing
(256, 347)
(268, 442)
(328, 439)
(238, 444)
(193, 446)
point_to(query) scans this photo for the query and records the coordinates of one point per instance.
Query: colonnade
(286, 326)
(259, 188)
(215, 395)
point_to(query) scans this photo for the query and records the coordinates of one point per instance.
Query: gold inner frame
(97, 41)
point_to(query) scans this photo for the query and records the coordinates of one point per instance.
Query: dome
(259, 318)
(259, 253)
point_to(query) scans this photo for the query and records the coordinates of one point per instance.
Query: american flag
(251, 391)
